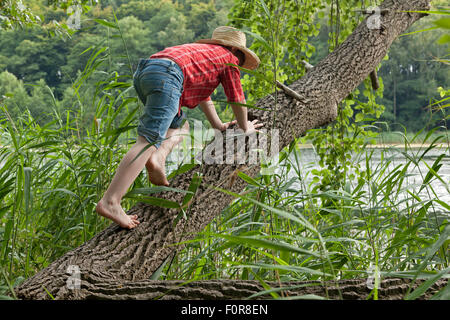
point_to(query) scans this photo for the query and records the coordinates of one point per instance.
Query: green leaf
(429, 12)
(158, 272)
(193, 186)
(299, 219)
(266, 10)
(418, 31)
(27, 188)
(434, 247)
(159, 202)
(442, 203)
(359, 117)
(261, 40)
(443, 23)
(63, 190)
(7, 235)
(290, 268)
(106, 23)
(268, 244)
(184, 168)
(443, 294)
(427, 284)
(43, 144)
(248, 179)
(444, 39)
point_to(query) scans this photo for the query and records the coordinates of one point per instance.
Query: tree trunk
(395, 99)
(125, 259)
(97, 287)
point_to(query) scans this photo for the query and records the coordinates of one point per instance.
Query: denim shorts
(159, 85)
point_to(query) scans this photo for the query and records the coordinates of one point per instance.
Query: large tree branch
(95, 286)
(116, 256)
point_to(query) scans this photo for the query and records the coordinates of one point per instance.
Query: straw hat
(229, 36)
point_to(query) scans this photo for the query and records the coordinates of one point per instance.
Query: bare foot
(116, 214)
(156, 169)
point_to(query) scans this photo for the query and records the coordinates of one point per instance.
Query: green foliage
(12, 92)
(63, 134)
(37, 100)
(129, 29)
(345, 218)
(415, 69)
(53, 175)
(15, 14)
(284, 29)
(337, 143)
(280, 32)
(20, 14)
(282, 229)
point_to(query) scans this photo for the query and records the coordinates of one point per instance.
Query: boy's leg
(160, 83)
(128, 170)
(156, 162)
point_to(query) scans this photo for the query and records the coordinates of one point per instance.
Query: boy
(184, 75)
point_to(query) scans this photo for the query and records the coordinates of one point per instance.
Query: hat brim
(251, 59)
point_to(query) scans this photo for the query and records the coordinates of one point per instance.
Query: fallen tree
(117, 263)
(350, 289)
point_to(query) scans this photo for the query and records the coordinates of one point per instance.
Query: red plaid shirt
(203, 67)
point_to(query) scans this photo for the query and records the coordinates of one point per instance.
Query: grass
(52, 176)
(380, 223)
(280, 230)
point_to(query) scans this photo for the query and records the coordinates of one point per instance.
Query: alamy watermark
(374, 20)
(374, 277)
(73, 282)
(74, 19)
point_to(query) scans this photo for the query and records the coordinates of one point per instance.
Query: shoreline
(390, 145)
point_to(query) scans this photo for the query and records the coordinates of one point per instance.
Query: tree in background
(129, 30)
(293, 31)
(15, 96)
(412, 74)
(12, 93)
(286, 33)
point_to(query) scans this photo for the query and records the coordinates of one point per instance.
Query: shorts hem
(151, 137)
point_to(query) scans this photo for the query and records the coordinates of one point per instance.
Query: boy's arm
(207, 106)
(231, 83)
(241, 115)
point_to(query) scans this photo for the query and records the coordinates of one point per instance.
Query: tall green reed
(389, 220)
(52, 175)
(373, 222)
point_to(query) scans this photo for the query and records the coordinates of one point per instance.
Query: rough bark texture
(96, 287)
(122, 259)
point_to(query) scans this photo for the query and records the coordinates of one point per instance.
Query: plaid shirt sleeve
(231, 82)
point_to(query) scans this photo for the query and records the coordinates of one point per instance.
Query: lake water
(379, 158)
(415, 175)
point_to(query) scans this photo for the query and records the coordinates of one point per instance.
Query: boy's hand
(252, 126)
(224, 126)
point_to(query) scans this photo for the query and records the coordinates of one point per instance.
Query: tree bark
(118, 258)
(97, 287)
